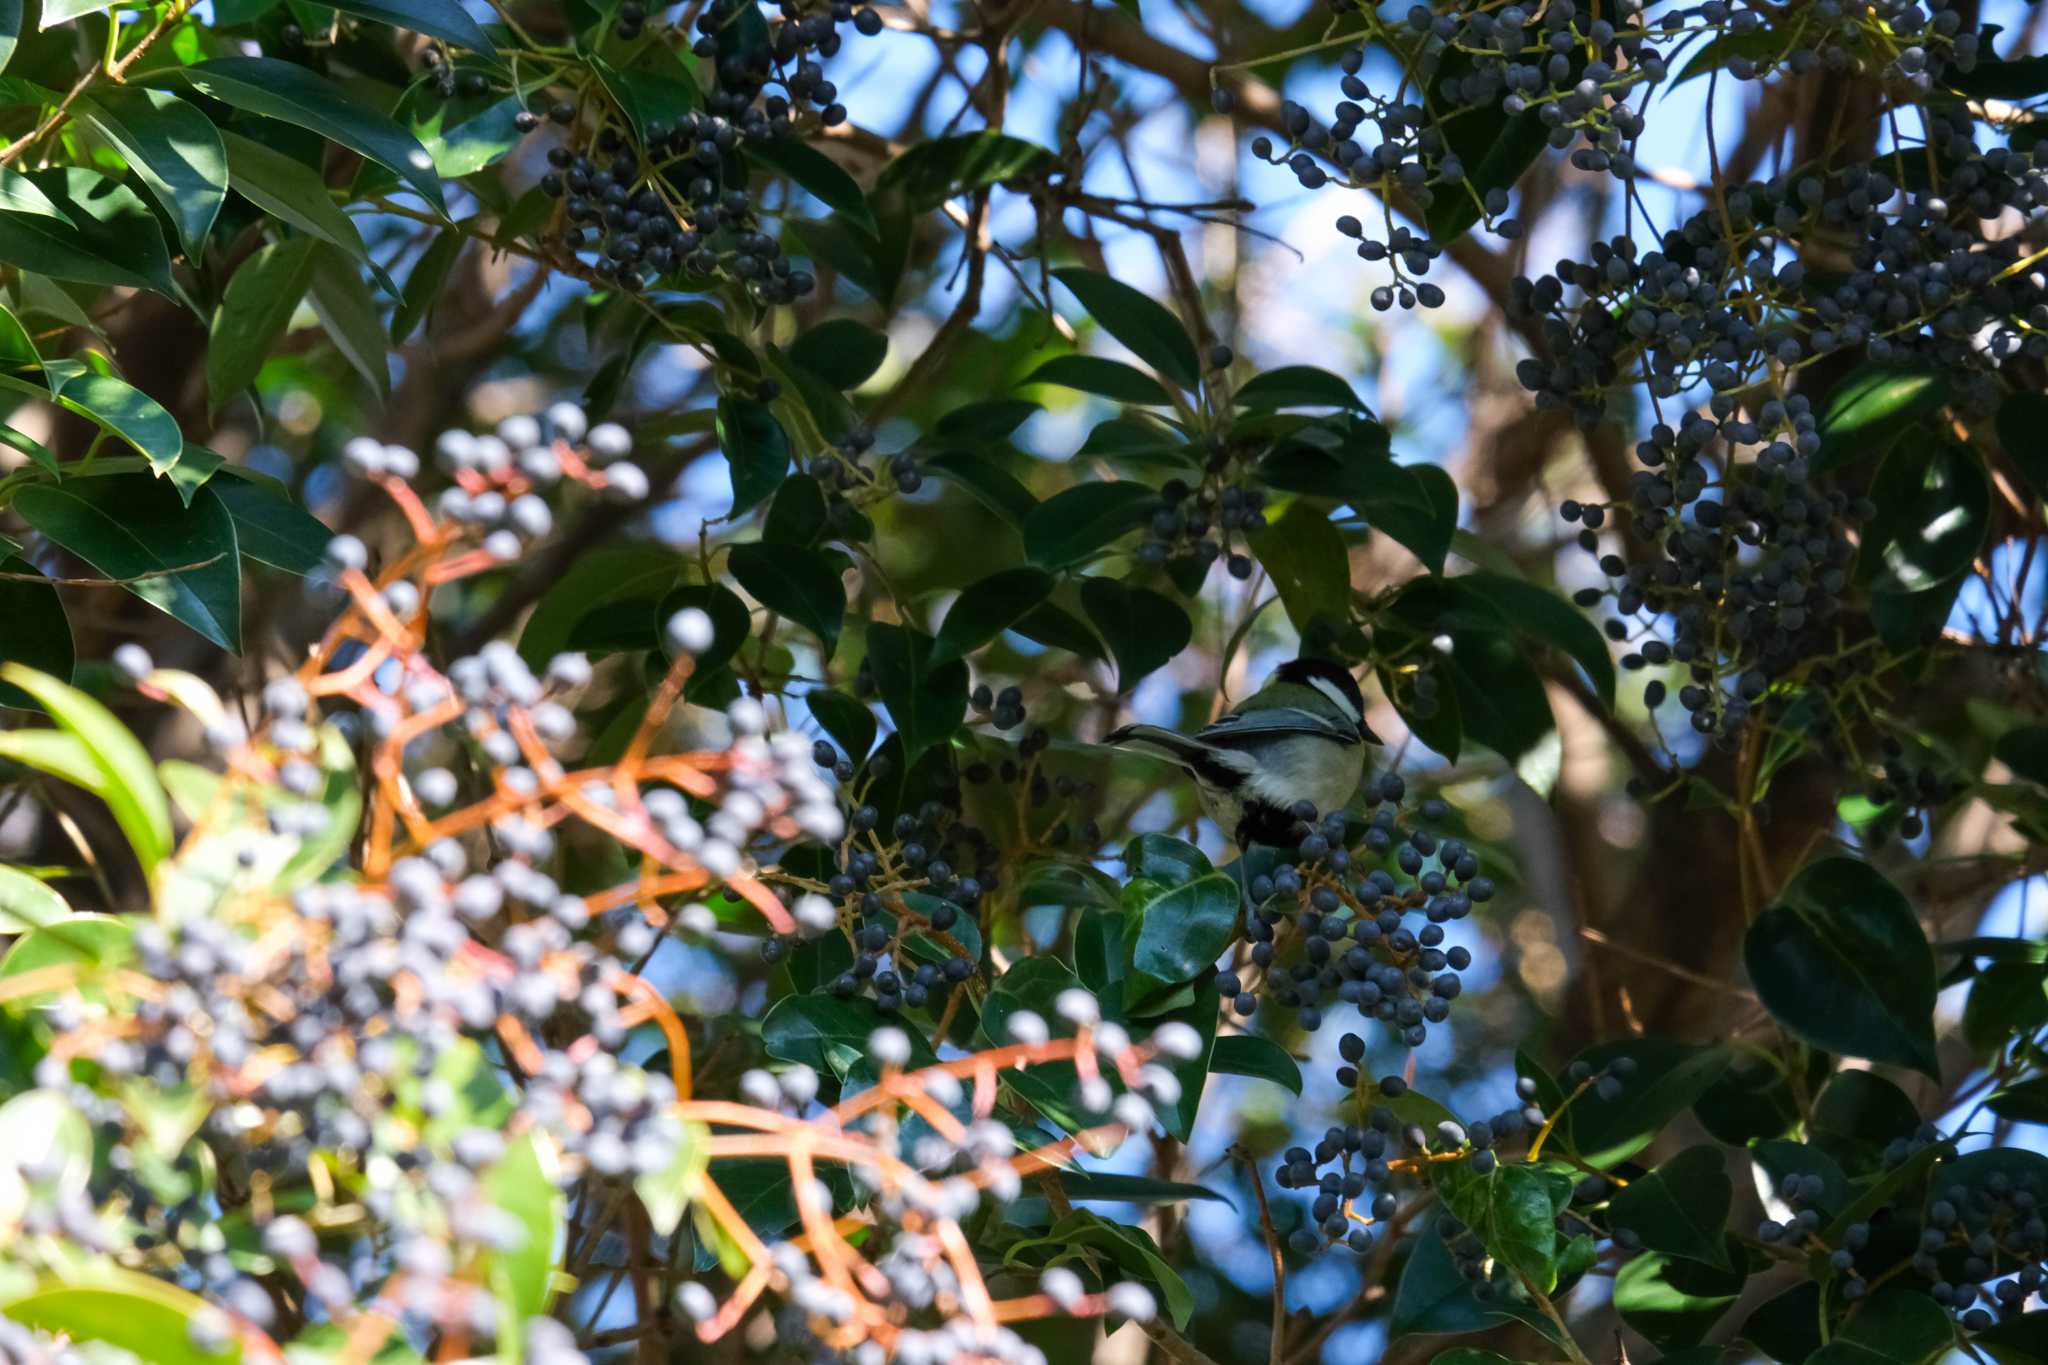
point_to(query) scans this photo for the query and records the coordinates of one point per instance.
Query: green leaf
(269, 527)
(1415, 505)
(443, 19)
(113, 238)
(730, 623)
(1681, 1207)
(1098, 375)
(1933, 511)
(1146, 327)
(349, 314)
(1297, 386)
(1669, 1076)
(1131, 1189)
(18, 194)
(26, 903)
(1308, 562)
(1894, 1327)
(988, 419)
(985, 609)
(1181, 931)
(254, 311)
(1143, 629)
(641, 574)
(1435, 1299)
(1495, 147)
(1247, 1054)
(292, 192)
(64, 11)
(120, 409)
(38, 634)
(460, 138)
(1857, 1113)
(1781, 1157)
(1130, 1248)
(931, 172)
(128, 780)
(1510, 1209)
(1075, 523)
(1054, 627)
(172, 148)
(2024, 749)
(1841, 962)
(815, 172)
(10, 29)
(830, 1035)
(800, 584)
(423, 285)
(1870, 407)
(1539, 613)
(523, 1185)
(847, 720)
(841, 351)
(1674, 1300)
(293, 94)
(990, 484)
(1164, 859)
(657, 88)
(755, 447)
(925, 698)
(129, 524)
(2022, 430)
(126, 1309)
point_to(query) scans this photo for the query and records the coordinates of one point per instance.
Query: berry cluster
(1320, 927)
(1735, 578)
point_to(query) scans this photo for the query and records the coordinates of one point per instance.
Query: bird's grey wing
(1251, 727)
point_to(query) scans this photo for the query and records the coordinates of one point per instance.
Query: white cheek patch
(1336, 694)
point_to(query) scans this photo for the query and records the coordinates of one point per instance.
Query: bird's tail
(1159, 742)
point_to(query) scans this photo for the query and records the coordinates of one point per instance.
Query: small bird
(1301, 737)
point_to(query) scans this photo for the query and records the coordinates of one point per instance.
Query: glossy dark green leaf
(1129, 1247)
(1511, 1209)
(18, 194)
(423, 285)
(925, 698)
(1143, 629)
(1673, 1300)
(293, 94)
(1669, 1076)
(1681, 1207)
(38, 633)
(1297, 386)
(120, 410)
(1857, 1113)
(1146, 327)
(1841, 961)
(1415, 505)
(798, 515)
(1782, 1158)
(1055, 627)
(1541, 614)
(172, 148)
(990, 419)
(990, 484)
(1099, 375)
(1933, 510)
(1435, 1299)
(113, 240)
(830, 1035)
(131, 524)
(443, 19)
(1131, 1189)
(1247, 1054)
(654, 88)
(731, 623)
(815, 172)
(755, 447)
(2023, 431)
(254, 311)
(800, 584)
(841, 351)
(1871, 407)
(1753, 1099)
(2024, 749)
(1075, 523)
(614, 574)
(985, 609)
(1164, 859)
(291, 191)
(343, 303)
(10, 29)
(1305, 556)
(1786, 1327)
(847, 719)
(1181, 931)
(931, 172)
(269, 527)
(1895, 1326)
(1495, 147)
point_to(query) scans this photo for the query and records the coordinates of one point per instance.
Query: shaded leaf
(1075, 523)
(349, 314)
(985, 609)
(443, 19)
(817, 173)
(1307, 560)
(423, 285)
(755, 447)
(800, 584)
(1297, 386)
(1870, 407)
(38, 634)
(1146, 327)
(846, 719)
(1142, 628)
(1681, 1207)
(1099, 375)
(291, 191)
(1841, 961)
(841, 351)
(1672, 1300)
(255, 309)
(933, 171)
(925, 698)
(1247, 1054)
